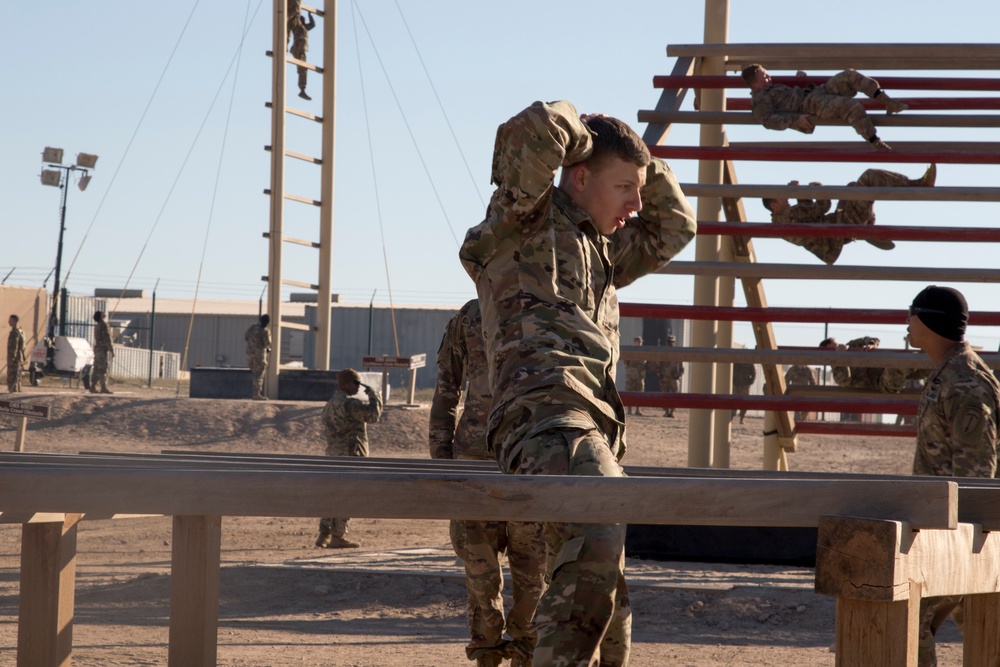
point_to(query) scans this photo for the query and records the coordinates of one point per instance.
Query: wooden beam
(843, 192)
(894, 83)
(194, 591)
(863, 232)
(734, 117)
(915, 104)
(877, 634)
(839, 56)
(821, 357)
(670, 100)
(48, 585)
(806, 151)
(824, 272)
(481, 497)
(877, 559)
(779, 314)
(981, 644)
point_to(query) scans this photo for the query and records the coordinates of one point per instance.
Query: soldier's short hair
(98, 315)
(15, 318)
(265, 320)
(348, 375)
(767, 202)
(613, 138)
(749, 72)
(828, 341)
(637, 340)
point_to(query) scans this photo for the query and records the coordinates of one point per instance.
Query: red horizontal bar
(888, 82)
(914, 103)
(802, 315)
(900, 406)
(899, 233)
(863, 153)
(854, 428)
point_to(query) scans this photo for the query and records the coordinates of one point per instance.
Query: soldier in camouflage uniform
(298, 31)
(258, 339)
(669, 373)
(104, 351)
(481, 544)
(345, 419)
(849, 212)
(15, 354)
(801, 375)
(779, 107)
(885, 380)
(547, 263)
(635, 375)
(958, 421)
(743, 377)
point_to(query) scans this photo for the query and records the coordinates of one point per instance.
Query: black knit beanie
(943, 310)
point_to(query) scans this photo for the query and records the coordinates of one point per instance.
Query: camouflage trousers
(258, 365)
(335, 526)
(741, 390)
(933, 612)
(99, 372)
(670, 385)
(852, 212)
(481, 546)
(13, 378)
(834, 100)
(584, 618)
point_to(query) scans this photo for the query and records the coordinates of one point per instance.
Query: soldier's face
(609, 193)
(916, 331)
(760, 80)
(11, 321)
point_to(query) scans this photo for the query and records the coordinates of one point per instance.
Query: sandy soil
(399, 600)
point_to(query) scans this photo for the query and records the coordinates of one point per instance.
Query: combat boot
(302, 94)
(881, 145)
(105, 390)
(930, 177)
(340, 543)
(882, 244)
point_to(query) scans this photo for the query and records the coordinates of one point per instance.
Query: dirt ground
(399, 600)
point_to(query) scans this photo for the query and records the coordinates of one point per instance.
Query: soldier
(547, 262)
(779, 107)
(743, 377)
(345, 419)
(481, 544)
(258, 338)
(885, 380)
(15, 354)
(849, 212)
(635, 375)
(801, 375)
(669, 373)
(298, 31)
(104, 351)
(957, 421)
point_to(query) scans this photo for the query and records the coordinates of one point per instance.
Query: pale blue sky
(78, 75)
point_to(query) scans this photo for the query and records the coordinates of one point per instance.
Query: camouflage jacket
(460, 359)
(778, 106)
(102, 337)
(547, 278)
(744, 375)
(885, 380)
(635, 375)
(258, 338)
(800, 375)
(957, 421)
(15, 347)
(345, 420)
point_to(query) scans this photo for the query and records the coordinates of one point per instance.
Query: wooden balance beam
(732, 117)
(825, 272)
(784, 314)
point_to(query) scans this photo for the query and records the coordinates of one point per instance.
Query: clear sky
(86, 77)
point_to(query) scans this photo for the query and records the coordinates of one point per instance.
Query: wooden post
(323, 314)
(982, 630)
(413, 386)
(48, 578)
(194, 591)
(19, 438)
(878, 634)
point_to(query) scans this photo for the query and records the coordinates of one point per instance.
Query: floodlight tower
(54, 175)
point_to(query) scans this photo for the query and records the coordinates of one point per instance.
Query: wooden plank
(824, 272)
(878, 634)
(194, 591)
(837, 50)
(844, 192)
(872, 358)
(805, 151)
(670, 100)
(779, 314)
(469, 496)
(48, 579)
(877, 559)
(981, 634)
(302, 63)
(862, 232)
(732, 117)
(869, 64)
(875, 108)
(894, 83)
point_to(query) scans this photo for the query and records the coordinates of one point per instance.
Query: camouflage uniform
(481, 544)
(345, 420)
(258, 338)
(298, 31)
(886, 380)
(848, 212)
(800, 375)
(635, 378)
(958, 427)
(669, 374)
(103, 350)
(778, 106)
(15, 358)
(547, 281)
(743, 377)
